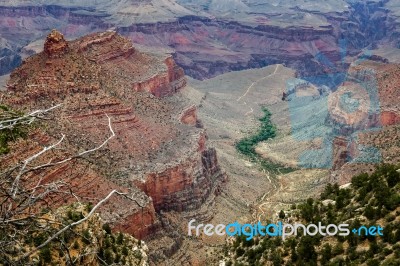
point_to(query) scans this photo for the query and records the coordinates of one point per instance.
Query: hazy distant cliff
(215, 37)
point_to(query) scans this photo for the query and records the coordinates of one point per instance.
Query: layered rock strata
(160, 161)
(209, 41)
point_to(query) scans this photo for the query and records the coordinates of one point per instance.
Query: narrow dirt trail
(259, 212)
(255, 82)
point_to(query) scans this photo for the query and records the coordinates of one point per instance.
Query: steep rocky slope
(159, 154)
(384, 133)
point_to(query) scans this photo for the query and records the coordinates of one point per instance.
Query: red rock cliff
(155, 157)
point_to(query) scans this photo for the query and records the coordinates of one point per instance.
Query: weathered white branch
(25, 119)
(55, 186)
(14, 188)
(27, 161)
(82, 153)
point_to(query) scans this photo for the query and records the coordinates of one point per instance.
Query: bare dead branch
(82, 153)
(25, 119)
(30, 159)
(23, 199)
(51, 238)
(14, 188)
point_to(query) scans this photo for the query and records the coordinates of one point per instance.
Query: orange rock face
(164, 84)
(388, 82)
(158, 157)
(189, 116)
(390, 118)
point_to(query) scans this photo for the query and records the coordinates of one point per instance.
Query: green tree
(306, 250)
(369, 212)
(120, 238)
(86, 236)
(276, 258)
(107, 228)
(326, 254)
(293, 255)
(125, 251)
(45, 254)
(359, 180)
(239, 252)
(109, 256)
(338, 249)
(307, 210)
(340, 202)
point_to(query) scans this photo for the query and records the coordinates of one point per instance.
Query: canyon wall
(160, 162)
(211, 43)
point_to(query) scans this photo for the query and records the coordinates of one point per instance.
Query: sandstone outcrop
(55, 44)
(189, 116)
(156, 158)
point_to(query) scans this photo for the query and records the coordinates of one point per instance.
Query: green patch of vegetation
(39, 238)
(267, 131)
(74, 216)
(115, 248)
(246, 146)
(137, 254)
(120, 239)
(107, 228)
(371, 198)
(45, 255)
(8, 135)
(86, 237)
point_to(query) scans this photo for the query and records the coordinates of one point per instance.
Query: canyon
(176, 134)
(213, 38)
(317, 136)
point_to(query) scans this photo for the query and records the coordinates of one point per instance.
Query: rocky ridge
(156, 157)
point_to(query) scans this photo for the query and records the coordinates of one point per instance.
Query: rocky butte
(159, 155)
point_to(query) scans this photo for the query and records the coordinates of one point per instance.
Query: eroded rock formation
(55, 44)
(156, 158)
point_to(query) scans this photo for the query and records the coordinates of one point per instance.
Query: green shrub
(45, 254)
(10, 134)
(107, 228)
(86, 238)
(109, 256)
(125, 251)
(120, 239)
